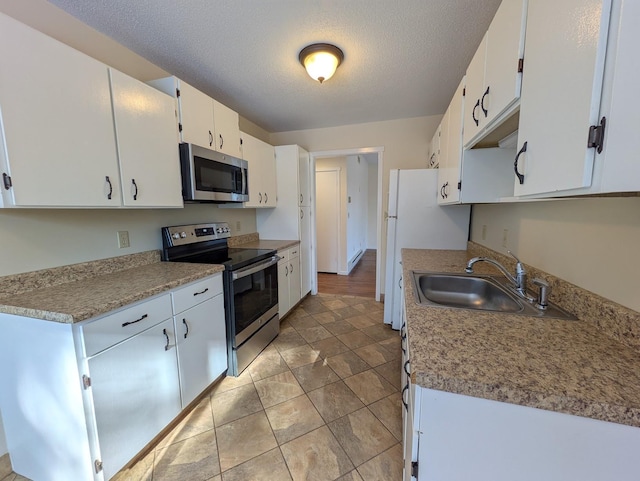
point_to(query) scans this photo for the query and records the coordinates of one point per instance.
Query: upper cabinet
(262, 171)
(561, 90)
(451, 149)
(57, 124)
(147, 143)
(75, 131)
(494, 76)
(202, 120)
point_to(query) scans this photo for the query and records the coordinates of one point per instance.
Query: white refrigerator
(416, 221)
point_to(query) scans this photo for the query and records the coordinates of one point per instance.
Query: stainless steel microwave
(210, 176)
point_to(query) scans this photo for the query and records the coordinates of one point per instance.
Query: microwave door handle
(245, 187)
(247, 271)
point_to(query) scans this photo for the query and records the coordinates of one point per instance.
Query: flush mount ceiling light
(321, 60)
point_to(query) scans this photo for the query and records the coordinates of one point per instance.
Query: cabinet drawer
(195, 293)
(294, 252)
(284, 256)
(114, 328)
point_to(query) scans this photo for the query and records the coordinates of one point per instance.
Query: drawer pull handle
(201, 292)
(406, 363)
(166, 335)
(186, 326)
(133, 322)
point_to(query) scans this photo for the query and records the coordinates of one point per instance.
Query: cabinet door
(434, 150)
(561, 89)
(202, 347)
(505, 46)
(295, 279)
(227, 130)
(147, 144)
(56, 118)
(305, 250)
(251, 153)
(474, 118)
(196, 116)
(304, 177)
(454, 145)
(443, 172)
(269, 182)
(283, 288)
(136, 393)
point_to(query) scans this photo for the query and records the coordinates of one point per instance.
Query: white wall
(592, 243)
(372, 203)
(357, 205)
(37, 238)
(405, 143)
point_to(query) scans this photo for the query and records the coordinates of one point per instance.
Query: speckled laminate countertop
(566, 366)
(269, 244)
(89, 297)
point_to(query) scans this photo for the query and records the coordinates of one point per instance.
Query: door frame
(345, 153)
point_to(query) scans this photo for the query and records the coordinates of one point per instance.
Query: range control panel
(179, 235)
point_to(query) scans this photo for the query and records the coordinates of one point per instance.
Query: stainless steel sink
(476, 292)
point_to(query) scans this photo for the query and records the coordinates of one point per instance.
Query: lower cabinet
(289, 280)
(83, 399)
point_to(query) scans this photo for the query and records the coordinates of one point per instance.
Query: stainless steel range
(250, 285)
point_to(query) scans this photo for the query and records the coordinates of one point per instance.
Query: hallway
(360, 282)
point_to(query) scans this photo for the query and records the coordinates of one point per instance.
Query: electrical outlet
(238, 227)
(505, 237)
(123, 239)
(484, 231)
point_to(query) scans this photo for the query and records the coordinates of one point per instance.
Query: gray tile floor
(322, 402)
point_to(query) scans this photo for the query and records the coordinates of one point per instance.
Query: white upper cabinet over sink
(57, 123)
(561, 89)
(494, 75)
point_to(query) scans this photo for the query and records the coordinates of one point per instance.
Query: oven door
(255, 297)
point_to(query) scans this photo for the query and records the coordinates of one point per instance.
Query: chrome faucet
(519, 280)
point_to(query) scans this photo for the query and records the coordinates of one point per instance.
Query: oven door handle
(247, 271)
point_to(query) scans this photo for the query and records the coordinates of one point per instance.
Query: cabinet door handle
(301, 198)
(133, 322)
(108, 181)
(406, 371)
(405, 389)
(166, 335)
(221, 140)
(266, 198)
(301, 214)
(515, 164)
(473, 113)
(442, 191)
(291, 271)
(400, 282)
(186, 327)
(485, 111)
(201, 292)
(403, 339)
(210, 139)
(446, 194)
(260, 198)
(286, 271)
(135, 189)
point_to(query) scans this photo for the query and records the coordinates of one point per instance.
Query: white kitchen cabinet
(451, 149)
(109, 384)
(288, 279)
(494, 75)
(289, 220)
(561, 90)
(57, 123)
(146, 136)
(135, 393)
(262, 171)
(202, 120)
(201, 336)
(434, 150)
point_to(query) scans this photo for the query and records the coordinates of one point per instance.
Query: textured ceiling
(403, 58)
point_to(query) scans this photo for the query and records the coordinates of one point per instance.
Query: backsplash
(242, 239)
(616, 321)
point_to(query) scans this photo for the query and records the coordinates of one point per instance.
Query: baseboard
(354, 261)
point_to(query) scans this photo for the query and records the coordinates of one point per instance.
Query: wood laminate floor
(360, 282)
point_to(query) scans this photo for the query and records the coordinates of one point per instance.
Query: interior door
(328, 219)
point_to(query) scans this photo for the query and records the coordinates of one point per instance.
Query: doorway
(327, 220)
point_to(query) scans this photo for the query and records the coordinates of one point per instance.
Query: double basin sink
(476, 292)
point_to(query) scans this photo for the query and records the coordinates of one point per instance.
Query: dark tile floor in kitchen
(322, 402)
